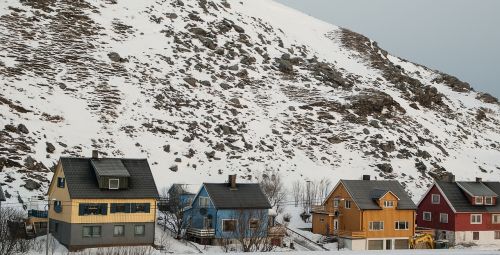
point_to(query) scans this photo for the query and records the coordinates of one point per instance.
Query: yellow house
(97, 202)
(367, 215)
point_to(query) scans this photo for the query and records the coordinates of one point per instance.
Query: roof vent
(366, 177)
(95, 154)
(479, 179)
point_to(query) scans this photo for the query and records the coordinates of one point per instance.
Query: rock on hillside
(207, 88)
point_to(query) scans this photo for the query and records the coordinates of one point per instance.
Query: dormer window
(388, 204)
(478, 200)
(114, 183)
(488, 200)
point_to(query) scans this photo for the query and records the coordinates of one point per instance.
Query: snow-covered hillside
(207, 88)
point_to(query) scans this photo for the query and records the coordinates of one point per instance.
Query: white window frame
(472, 217)
(476, 199)
(347, 204)
(497, 235)
(252, 221)
(117, 182)
(206, 199)
(438, 199)
(235, 226)
(493, 219)
(335, 203)
(396, 225)
(486, 200)
(371, 225)
(430, 216)
(441, 217)
(389, 204)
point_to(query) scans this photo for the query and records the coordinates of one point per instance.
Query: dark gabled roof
(459, 201)
(110, 167)
(476, 189)
(246, 196)
(2, 195)
(82, 182)
(363, 193)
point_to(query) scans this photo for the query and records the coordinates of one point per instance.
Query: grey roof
(110, 167)
(246, 196)
(82, 182)
(476, 189)
(363, 192)
(378, 193)
(2, 195)
(459, 201)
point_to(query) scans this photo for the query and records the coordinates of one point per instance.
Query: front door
(335, 224)
(388, 244)
(207, 223)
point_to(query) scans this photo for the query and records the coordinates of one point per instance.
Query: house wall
(389, 216)
(197, 219)
(60, 194)
(321, 223)
(463, 222)
(435, 209)
(243, 216)
(485, 237)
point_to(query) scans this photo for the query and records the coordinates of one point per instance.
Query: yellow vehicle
(424, 241)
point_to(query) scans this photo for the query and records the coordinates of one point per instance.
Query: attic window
(60, 182)
(436, 199)
(388, 204)
(488, 201)
(478, 200)
(114, 183)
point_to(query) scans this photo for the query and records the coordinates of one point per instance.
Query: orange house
(367, 215)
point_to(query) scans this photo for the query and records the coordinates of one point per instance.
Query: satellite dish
(203, 211)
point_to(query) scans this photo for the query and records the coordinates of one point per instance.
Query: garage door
(401, 244)
(375, 244)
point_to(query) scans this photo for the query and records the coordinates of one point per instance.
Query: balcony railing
(322, 209)
(38, 214)
(210, 232)
(351, 234)
(276, 231)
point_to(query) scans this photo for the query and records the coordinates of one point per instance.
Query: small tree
(274, 189)
(297, 190)
(11, 240)
(249, 228)
(172, 208)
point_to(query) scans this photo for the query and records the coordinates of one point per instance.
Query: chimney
(479, 179)
(232, 181)
(95, 154)
(366, 177)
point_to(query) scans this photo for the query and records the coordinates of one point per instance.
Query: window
(443, 217)
(114, 183)
(335, 203)
(58, 206)
(436, 199)
(119, 230)
(375, 244)
(120, 208)
(476, 219)
(478, 200)
(388, 204)
(497, 235)
(229, 225)
(91, 231)
(60, 182)
(204, 201)
(475, 236)
(427, 216)
(488, 201)
(139, 230)
(348, 204)
(92, 209)
(401, 225)
(495, 219)
(139, 208)
(376, 225)
(388, 244)
(254, 224)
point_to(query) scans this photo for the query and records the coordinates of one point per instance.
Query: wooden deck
(202, 233)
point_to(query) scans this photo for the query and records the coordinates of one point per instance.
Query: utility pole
(308, 196)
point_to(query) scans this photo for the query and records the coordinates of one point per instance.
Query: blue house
(227, 211)
(183, 192)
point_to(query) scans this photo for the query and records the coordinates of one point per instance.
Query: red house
(462, 212)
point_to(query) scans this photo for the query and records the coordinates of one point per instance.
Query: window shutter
(146, 206)
(127, 208)
(104, 209)
(132, 208)
(81, 209)
(113, 208)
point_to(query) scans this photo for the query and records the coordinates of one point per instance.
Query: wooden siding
(463, 222)
(60, 194)
(426, 205)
